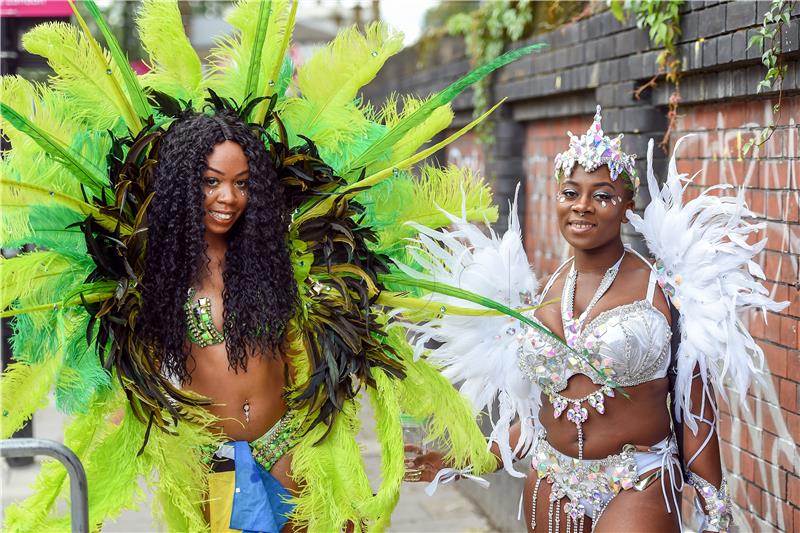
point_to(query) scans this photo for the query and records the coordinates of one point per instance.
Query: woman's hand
(423, 466)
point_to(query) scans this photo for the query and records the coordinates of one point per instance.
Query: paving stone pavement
(446, 511)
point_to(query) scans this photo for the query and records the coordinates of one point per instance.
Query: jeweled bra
(630, 344)
(199, 322)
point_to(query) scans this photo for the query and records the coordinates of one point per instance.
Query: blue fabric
(260, 502)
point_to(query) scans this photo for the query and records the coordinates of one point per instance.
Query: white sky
(406, 16)
(403, 15)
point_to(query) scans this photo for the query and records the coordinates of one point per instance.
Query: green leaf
(617, 10)
(755, 40)
(772, 61)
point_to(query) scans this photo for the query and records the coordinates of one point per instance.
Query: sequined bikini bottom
(588, 485)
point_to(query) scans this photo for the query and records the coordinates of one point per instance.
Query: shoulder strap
(651, 283)
(554, 276)
(651, 286)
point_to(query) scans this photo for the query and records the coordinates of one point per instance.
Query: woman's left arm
(702, 456)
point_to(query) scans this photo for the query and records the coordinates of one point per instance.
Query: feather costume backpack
(76, 183)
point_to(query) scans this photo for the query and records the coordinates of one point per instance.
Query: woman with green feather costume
(97, 316)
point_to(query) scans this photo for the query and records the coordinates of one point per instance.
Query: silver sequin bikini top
(630, 344)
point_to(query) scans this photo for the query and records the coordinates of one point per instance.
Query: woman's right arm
(430, 463)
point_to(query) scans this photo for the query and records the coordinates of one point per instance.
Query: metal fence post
(79, 497)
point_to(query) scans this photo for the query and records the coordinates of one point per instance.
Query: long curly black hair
(260, 292)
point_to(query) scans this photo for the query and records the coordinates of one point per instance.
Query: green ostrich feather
(171, 466)
(50, 227)
(37, 271)
(331, 475)
(392, 136)
(258, 49)
(451, 422)
(83, 169)
(82, 72)
(389, 432)
(176, 68)
(26, 386)
(389, 116)
(315, 209)
(327, 111)
(135, 93)
(424, 200)
(48, 110)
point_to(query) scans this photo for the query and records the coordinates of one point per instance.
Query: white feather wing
(705, 264)
(480, 353)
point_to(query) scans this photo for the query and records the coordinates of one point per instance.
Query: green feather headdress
(76, 183)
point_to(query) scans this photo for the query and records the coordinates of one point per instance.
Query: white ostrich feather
(705, 264)
(480, 353)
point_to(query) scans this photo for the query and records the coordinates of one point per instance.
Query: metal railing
(77, 477)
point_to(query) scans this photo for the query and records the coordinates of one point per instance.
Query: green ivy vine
(486, 32)
(768, 38)
(661, 19)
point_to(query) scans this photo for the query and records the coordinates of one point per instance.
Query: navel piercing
(246, 409)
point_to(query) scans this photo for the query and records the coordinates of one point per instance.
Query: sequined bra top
(200, 326)
(629, 344)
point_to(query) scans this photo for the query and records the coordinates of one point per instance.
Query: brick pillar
(504, 164)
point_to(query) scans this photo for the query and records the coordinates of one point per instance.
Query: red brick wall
(760, 444)
(467, 152)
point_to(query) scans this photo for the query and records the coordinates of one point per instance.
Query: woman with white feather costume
(624, 415)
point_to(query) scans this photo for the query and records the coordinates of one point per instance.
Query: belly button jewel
(246, 409)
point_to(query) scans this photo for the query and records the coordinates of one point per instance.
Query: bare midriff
(261, 386)
(642, 419)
